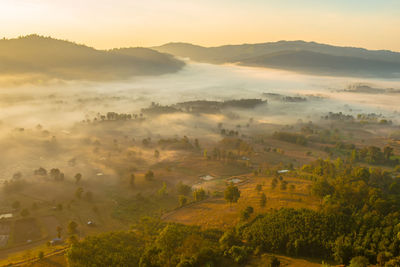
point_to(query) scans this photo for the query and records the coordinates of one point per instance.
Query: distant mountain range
(300, 56)
(48, 57)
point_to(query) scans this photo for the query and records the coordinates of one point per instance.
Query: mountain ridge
(364, 62)
(55, 58)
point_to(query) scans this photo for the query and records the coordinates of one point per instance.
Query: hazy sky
(373, 24)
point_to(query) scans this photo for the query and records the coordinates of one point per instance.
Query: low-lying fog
(58, 107)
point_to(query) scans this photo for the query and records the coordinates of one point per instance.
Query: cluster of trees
(113, 116)
(291, 137)
(227, 132)
(230, 149)
(156, 243)
(152, 243)
(370, 200)
(362, 118)
(374, 155)
(179, 143)
(338, 116)
(156, 109)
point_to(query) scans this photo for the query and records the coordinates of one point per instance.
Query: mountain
(300, 56)
(37, 55)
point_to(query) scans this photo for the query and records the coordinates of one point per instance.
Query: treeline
(230, 149)
(150, 243)
(374, 155)
(291, 137)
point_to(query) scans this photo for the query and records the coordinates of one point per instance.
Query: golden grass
(215, 212)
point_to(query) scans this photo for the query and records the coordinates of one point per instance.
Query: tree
(283, 185)
(79, 192)
(56, 174)
(182, 200)
(246, 213)
(40, 172)
(41, 255)
(383, 257)
(149, 176)
(263, 200)
(387, 152)
(342, 249)
(322, 188)
(274, 262)
(183, 189)
(169, 239)
(199, 194)
(156, 153)
(359, 261)
(274, 183)
(292, 187)
(78, 178)
(25, 213)
(72, 227)
(258, 187)
(232, 193)
(59, 231)
(239, 254)
(205, 154)
(162, 192)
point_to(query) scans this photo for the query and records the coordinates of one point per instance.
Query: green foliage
(182, 200)
(263, 200)
(283, 185)
(246, 213)
(359, 261)
(295, 232)
(183, 189)
(109, 249)
(258, 187)
(238, 253)
(273, 262)
(149, 176)
(41, 255)
(232, 193)
(291, 137)
(274, 183)
(322, 188)
(79, 192)
(374, 155)
(199, 194)
(78, 178)
(162, 192)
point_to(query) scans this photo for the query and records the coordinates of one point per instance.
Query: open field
(215, 212)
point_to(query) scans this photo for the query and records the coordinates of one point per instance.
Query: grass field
(215, 212)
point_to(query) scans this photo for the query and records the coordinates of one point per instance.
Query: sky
(372, 24)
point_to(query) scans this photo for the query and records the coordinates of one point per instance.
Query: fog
(60, 107)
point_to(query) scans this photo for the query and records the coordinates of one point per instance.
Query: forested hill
(308, 57)
(37, 55)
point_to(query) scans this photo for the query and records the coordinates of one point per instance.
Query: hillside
(308, 57)
(44, 56)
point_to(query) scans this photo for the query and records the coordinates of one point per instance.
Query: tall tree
(232, 193)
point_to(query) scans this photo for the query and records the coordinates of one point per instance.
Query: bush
(359, 261)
